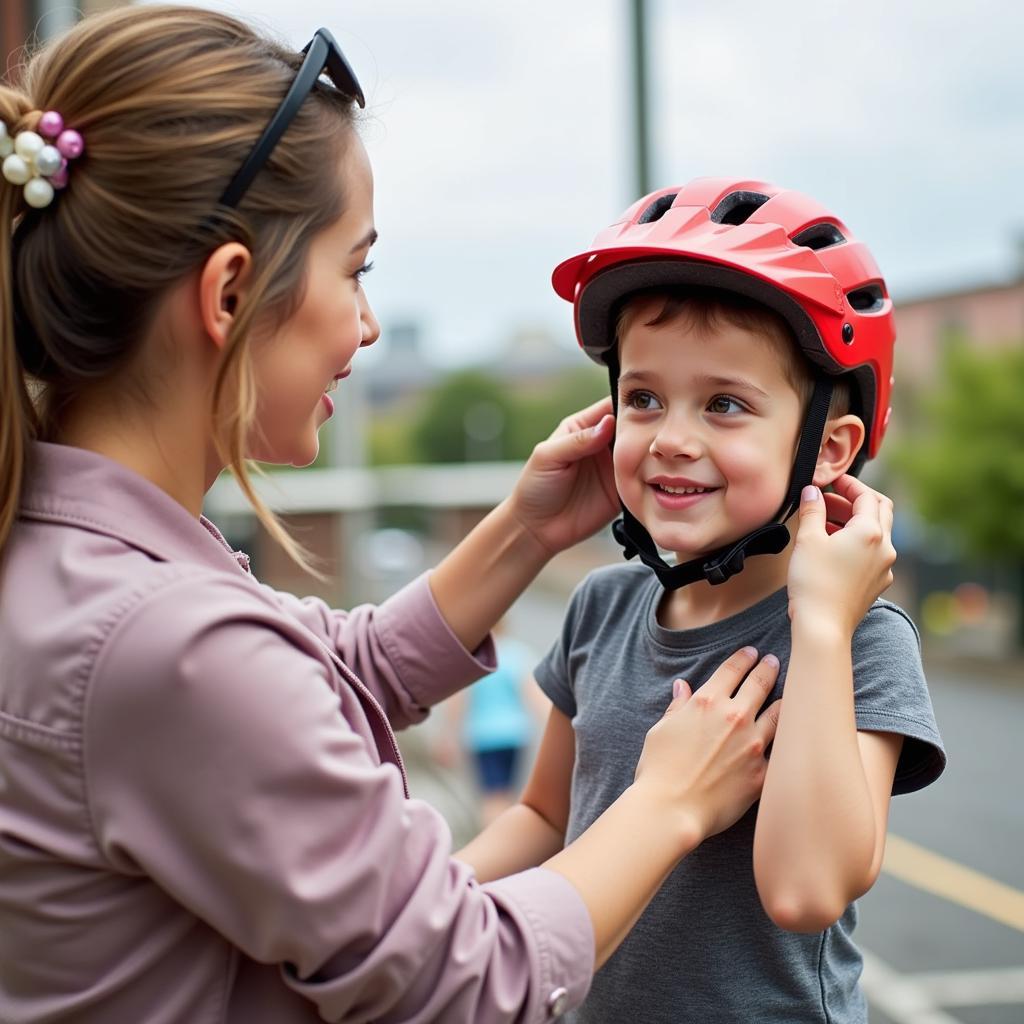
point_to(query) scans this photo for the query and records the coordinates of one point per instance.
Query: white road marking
(920, 998)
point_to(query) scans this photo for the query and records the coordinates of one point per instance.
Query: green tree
(538, 411)
(964, 458)
(464, 419)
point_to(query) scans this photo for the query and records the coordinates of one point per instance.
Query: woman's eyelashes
(363, 271)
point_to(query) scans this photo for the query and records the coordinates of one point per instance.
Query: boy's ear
(839, 446)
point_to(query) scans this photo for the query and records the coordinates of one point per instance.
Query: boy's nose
(677, 438)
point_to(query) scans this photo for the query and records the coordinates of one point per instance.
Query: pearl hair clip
(38, 164)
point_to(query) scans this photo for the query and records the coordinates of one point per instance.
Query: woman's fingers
(726, 679)
(588, 417)
(572, 445)
(681, 693)
(754, 690)
(768, 722)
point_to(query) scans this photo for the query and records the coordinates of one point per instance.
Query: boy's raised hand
(843, 557)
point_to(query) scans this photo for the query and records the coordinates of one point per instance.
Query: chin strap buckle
(723, 568)
(629, 549)
(768, 540)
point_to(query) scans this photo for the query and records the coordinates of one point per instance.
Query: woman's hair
(170, 100)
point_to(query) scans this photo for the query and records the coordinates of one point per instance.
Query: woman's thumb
(579, 444)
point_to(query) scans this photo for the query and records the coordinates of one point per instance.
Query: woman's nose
(371, 328)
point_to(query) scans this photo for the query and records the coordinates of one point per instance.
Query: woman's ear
(223, 282)
(839, 446)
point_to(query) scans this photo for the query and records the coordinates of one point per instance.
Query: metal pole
(642, 141)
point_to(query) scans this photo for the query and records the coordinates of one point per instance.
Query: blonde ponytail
(18, 422)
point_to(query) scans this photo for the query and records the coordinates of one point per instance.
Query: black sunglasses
(322, 52)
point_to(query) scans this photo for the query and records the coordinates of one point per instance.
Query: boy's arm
(821, 824)
(534, 829)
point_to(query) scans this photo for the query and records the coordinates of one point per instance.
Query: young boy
(749, 344)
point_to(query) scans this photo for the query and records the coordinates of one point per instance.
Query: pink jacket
(203, 813)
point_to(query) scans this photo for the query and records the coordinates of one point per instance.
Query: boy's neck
(701, 604)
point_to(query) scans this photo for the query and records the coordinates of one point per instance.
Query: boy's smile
(706, 430)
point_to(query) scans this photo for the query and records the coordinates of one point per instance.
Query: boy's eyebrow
(632, 375)
(734, 383)
(727, 383)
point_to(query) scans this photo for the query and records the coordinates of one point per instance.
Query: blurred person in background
(494, 723)
(203, 811)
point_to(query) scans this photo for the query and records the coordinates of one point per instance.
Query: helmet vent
(657, 209)
(737, 207)
(819, 236)
(868, 299)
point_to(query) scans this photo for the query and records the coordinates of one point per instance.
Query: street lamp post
(642, 141)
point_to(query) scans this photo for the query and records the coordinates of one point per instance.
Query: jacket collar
(84, 489)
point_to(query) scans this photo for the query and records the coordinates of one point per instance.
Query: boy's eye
(724, 404)
(644, 401)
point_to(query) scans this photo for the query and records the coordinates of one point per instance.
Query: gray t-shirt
(704, 951)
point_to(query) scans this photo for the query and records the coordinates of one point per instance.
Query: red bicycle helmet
(778, 247)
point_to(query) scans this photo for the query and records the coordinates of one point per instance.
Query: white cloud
(501, 139)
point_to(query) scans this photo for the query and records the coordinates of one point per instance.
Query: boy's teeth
(682, 490)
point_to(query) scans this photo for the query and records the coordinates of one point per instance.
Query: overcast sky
(501, 137)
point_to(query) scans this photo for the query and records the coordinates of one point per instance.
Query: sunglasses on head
(322, 53)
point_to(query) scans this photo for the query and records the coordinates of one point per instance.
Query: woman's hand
(566, 491)
(843, 556)
(704, 759)
(702, 766)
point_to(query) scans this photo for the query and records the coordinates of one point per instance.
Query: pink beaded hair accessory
(39, 160)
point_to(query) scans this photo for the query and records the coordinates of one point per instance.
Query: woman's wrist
(522, 542)
(678, 823)
(477, 582)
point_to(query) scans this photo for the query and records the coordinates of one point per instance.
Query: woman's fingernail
(771, 661)
(750, 652)
(677, 687)
(810, 493)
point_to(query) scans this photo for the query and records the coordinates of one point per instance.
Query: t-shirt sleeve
(891, 694)
(552, 673)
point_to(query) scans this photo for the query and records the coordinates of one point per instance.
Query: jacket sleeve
(402, 650)
(219, 763)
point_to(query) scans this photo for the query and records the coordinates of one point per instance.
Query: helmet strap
(770, 539)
